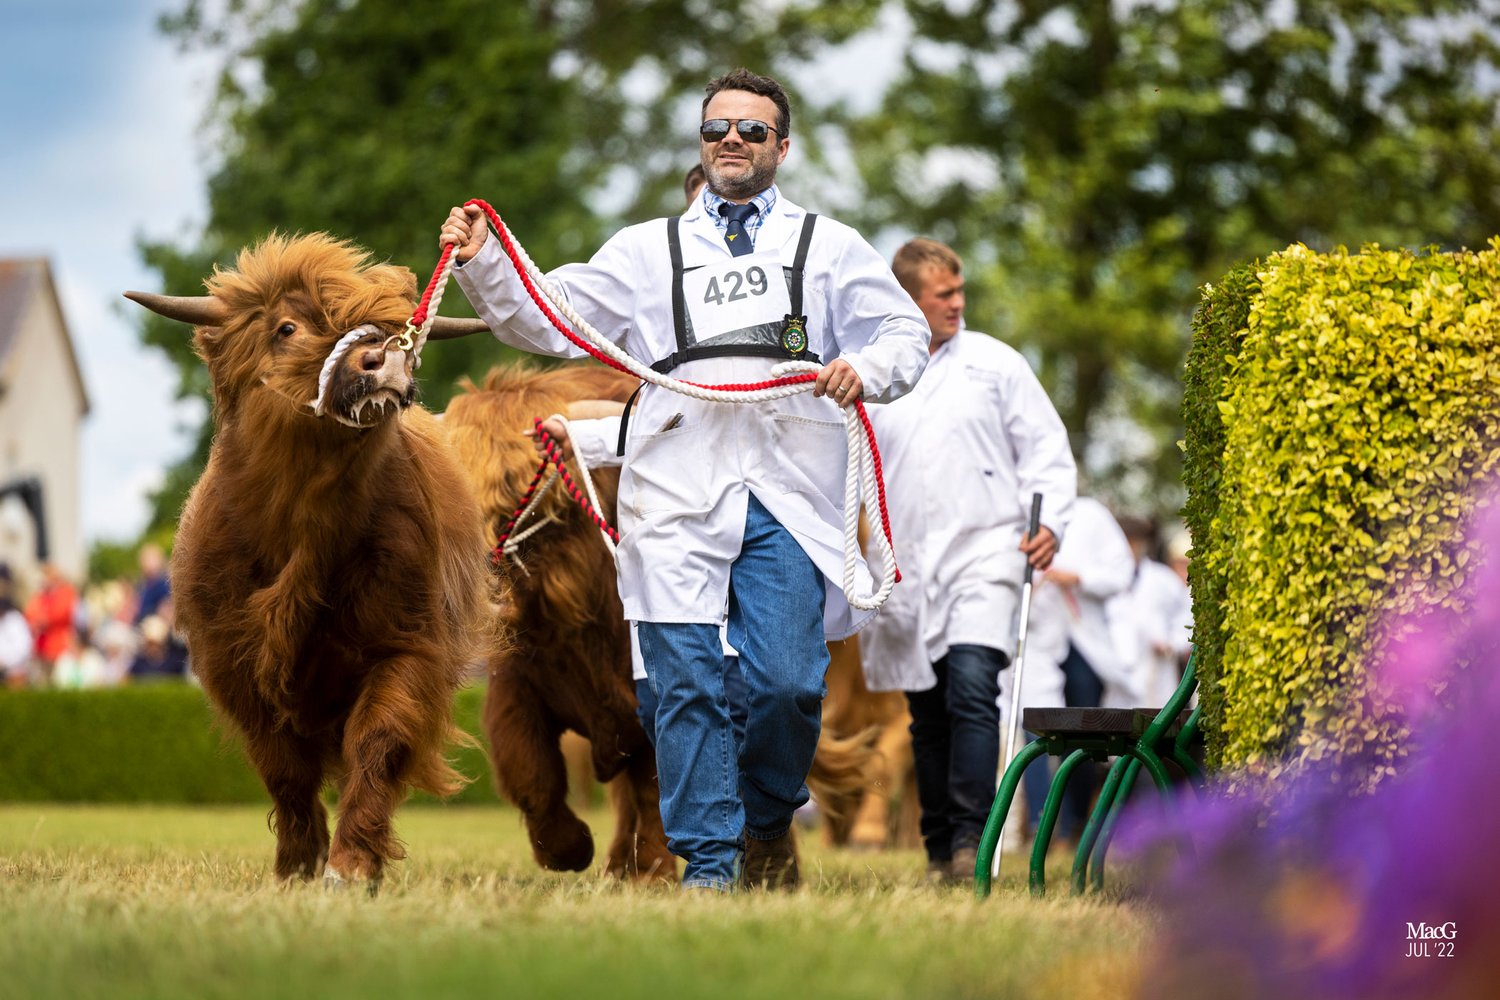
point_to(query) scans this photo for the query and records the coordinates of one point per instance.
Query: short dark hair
(695, 177)
(743, 79)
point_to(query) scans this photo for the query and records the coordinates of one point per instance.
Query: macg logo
(1431, 932)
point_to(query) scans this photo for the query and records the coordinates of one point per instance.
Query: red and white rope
(862, 479)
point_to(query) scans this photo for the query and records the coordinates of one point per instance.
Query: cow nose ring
(404, 340)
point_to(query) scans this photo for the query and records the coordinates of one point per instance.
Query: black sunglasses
(749, 129)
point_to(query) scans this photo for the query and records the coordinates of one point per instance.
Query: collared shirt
(763, 201)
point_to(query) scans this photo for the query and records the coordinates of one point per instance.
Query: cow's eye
(287, 329)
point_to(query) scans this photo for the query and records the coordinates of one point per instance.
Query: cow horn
(449, 328)
(199, 310)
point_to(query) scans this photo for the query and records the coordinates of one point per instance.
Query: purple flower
(1306, 889)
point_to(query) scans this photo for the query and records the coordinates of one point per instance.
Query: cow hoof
(567, 846)
(334, 882)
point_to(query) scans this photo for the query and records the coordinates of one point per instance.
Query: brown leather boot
(771, 864)
(961, 868)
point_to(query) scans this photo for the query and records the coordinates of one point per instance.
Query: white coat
(691, 465)
(1154, 619)
(963, 453)
(1098, 552)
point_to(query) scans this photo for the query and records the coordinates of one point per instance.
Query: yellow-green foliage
(1218, 330)
(1362, 416)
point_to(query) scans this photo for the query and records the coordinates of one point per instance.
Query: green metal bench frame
(1136, 738)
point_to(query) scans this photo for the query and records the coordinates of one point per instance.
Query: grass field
(162, 903)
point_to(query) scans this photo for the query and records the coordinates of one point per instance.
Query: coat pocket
(810, 455)
(667, 471)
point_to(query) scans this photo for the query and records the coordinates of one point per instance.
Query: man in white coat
(963, 454)
(1071, 616)
(1154, 617)
(729, 510)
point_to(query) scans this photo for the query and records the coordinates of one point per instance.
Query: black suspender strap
(679, 325)
(679, 301)
(799, 262)
(625, 419)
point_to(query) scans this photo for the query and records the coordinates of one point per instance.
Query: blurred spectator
(1153, 618)
(1070, 619)
(50, 612)
(110, 600)
(79, 666)
(692, 184)
(1093, 564)
(117, 642)
(16, 642)
(154, 589)
(1177, 554)
(159, 657)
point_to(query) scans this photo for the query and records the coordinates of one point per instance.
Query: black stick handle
(1031, 530)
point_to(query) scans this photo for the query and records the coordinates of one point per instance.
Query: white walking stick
(1014, 723)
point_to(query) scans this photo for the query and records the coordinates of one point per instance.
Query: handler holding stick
(963, 455)
(729, 510)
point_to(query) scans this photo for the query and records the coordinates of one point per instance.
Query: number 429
(735, 286)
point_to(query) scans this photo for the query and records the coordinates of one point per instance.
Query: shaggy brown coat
(567, 664)
(330, 579)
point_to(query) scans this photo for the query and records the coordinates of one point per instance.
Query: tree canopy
(1098, 162)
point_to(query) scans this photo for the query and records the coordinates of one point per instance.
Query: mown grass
(162, 903)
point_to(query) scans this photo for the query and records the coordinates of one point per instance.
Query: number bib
(736, 294)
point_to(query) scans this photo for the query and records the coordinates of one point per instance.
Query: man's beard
(745, 186)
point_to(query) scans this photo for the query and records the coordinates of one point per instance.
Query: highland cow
(566, 665)
(329, 570)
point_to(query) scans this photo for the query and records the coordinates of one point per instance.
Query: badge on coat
(794, 333)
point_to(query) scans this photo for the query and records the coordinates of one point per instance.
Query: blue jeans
(955, 745)
(713, 793)
(734, 690)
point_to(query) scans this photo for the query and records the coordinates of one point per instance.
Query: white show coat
(691, 465)
(963, 453)
(595, 440)
(1154, 619)
(1098, 552)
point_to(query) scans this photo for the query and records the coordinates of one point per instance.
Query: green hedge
(1358, 419)
(1218, 331)
(154, 743)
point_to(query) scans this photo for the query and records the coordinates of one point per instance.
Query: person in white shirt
(729, 510)
(17, 643)
(1071, 615)
(963, 454)
(1154, 616)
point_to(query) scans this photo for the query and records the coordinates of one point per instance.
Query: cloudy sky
(97, 149)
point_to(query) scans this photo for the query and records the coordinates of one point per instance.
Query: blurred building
(42, 406)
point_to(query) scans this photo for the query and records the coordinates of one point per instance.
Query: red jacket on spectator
(50, 612)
